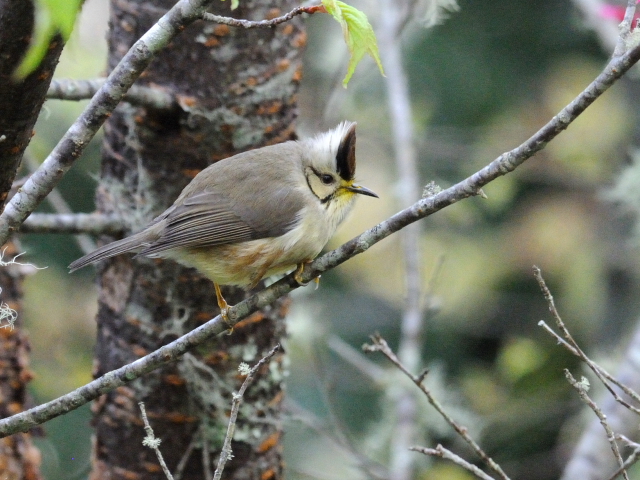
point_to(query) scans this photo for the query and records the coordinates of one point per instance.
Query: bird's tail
(129, 244)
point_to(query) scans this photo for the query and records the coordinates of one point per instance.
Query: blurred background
(481, 82)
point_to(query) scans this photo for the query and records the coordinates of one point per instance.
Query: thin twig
(226, 452)
(187, 454)
(470, 186)
(625, 28)
(380, 345)
(60, 205)
(321, 427)
(581, 388)
(631, 459)
(152, 442)
(206, 464)
(237, 22)
(602, 375)
(442, 452)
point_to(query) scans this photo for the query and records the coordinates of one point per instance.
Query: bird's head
(330, 167)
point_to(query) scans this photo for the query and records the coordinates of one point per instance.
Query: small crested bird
(255, 214)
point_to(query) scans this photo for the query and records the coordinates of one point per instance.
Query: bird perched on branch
(255, 214)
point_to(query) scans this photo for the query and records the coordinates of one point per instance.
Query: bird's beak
(361, 190)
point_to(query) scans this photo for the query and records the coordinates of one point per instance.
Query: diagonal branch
(470, 186)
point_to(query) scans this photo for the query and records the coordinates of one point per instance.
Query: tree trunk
(20, 104)
(238, 91)
(20, 100)
(19, 458)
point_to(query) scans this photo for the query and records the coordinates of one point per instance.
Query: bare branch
(574, 348)
(237, 22)
(504, 164)
(92, 223)
(581, 388)
(631, 459)
(153, 442)
(75, 90)
(442, 452)
(625, 28)
(380, 345)
(226, 453)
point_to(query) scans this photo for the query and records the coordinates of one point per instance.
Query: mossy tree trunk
(237, 89)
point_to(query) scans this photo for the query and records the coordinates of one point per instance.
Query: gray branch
(470, 186)
(402, 461)
(75, 90)
(237, 22)
(73, 223)
(73, 143)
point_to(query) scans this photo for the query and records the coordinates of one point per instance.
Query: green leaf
(234, 4)
(358, 34)
(52, 17)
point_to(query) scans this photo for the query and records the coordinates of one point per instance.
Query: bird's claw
(297, 276)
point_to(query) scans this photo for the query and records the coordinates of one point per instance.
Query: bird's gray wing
(208, 219)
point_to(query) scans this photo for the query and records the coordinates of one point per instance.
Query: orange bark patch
(174, 379)
(216, 358)
(139, 351)
(190, 173)
(187, 100)
(283, 65)
(221, 30)
(177, 417)
(273, 13)
(271, 441)
(151, 467)
(269, 108)
(255, 318)
(268, 474)
(299, 41)
(212, 42)
(297, 75)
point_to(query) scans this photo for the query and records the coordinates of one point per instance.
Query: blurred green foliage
(53, 17)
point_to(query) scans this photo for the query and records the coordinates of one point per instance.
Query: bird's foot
(297, 276)
(224, 308)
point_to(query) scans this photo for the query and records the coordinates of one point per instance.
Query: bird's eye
(326, 179)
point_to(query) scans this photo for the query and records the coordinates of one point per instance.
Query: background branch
(73, 223)
(380, 345)
(402, 462)
(75, 90)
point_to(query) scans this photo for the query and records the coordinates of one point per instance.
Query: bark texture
(19, 458)
(237, 89)
(20, 100)
(20, 104)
